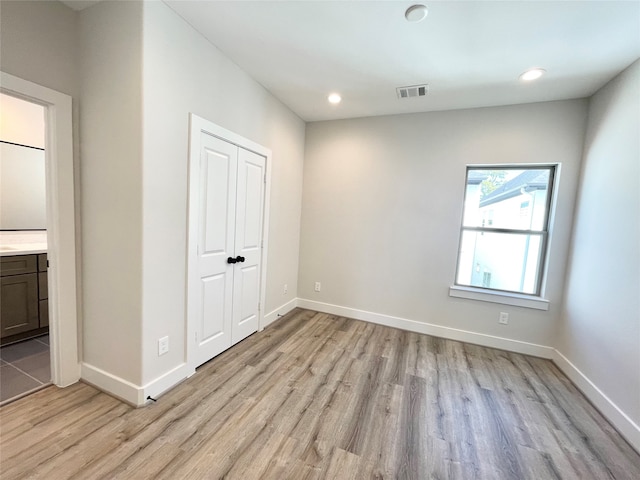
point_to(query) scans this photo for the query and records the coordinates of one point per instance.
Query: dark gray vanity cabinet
(23, 296)
(19, 294)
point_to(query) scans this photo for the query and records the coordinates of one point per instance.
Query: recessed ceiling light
(334, 98)
(416, 13)
(532, 74)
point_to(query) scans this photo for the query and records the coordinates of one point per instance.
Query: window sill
(515, 299)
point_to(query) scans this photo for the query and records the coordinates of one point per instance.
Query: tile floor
(24, 368)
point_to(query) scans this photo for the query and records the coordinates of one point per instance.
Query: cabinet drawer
(19, 311)
(18, 264)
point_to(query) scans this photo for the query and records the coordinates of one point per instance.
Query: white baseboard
(131, 393)
(271, 317)
(164, 383)
(430, 329)
(109, 383)
(136, 395)
(627, 427)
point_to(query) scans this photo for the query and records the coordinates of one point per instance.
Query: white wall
(600, 328)
(382, 204)
(184, 73)
(21, 122)
(111, 149)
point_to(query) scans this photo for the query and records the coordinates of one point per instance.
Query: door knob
(231, 260)
(239, 259)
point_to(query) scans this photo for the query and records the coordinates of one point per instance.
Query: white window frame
(533, 300)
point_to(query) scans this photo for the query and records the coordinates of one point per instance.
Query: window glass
(507, 198)
(501, 261)
(504, 228)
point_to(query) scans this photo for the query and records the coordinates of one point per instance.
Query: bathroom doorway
(25, 358)
(56, 268)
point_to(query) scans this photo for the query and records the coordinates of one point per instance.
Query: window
(505, 227)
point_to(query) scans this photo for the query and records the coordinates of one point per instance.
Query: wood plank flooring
(318, 396)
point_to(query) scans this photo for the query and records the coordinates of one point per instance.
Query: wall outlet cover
(163, 345)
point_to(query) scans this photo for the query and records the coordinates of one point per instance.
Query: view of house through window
(505, 227)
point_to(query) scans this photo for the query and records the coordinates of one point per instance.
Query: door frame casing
(197, 126)
(61, 227)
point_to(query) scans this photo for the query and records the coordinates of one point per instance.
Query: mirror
(22, 165)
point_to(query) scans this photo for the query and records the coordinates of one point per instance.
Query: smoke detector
(416, 13)
(412, 91)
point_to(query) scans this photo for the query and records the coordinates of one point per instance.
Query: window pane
(510, 198)
(501, 261)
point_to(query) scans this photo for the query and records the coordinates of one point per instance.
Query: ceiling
(469, 52)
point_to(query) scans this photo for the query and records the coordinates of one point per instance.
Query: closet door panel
(213, 305)
(216, 243)
(246, 302)
(249, 215)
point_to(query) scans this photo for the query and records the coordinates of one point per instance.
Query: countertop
(22, 243)
(22, 249)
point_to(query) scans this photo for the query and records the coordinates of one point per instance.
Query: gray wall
(111, 128)
(382, 205)
(40, 44)
(600, 328)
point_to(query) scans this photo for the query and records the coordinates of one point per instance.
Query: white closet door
(216, 244)
(246, 285)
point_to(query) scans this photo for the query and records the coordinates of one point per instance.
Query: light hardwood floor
(318, 396)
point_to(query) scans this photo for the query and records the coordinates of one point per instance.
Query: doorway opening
(58, 265)
(25, 358)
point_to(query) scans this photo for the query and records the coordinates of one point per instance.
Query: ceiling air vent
(413, 91)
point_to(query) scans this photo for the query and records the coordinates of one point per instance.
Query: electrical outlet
(317, 287)
(163, 345)
(503, 318)
(285, 289)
